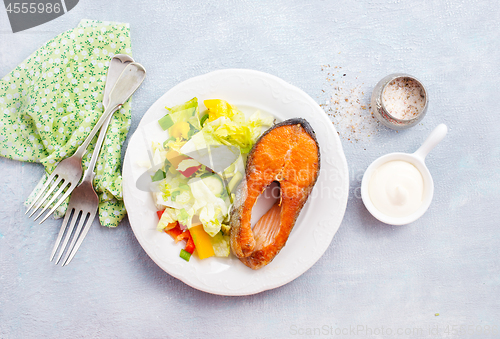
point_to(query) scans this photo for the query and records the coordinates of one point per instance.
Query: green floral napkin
(52, 100)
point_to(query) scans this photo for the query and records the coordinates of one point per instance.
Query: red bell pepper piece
(183, 236)
(174, 232)
(179, 235)
(190, 171)
(190, 247)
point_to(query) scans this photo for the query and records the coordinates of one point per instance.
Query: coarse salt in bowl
(399, 101)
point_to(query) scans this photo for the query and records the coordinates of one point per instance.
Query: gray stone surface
(438, 277)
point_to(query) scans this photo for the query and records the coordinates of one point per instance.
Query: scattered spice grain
(348, 107)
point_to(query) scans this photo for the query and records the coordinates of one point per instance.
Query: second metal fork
(68, 172)
(84, 202)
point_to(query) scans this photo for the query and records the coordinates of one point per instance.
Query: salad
(196, 167)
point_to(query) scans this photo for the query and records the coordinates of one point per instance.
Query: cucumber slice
(214, 183)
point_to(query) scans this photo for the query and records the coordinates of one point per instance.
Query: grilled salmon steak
(287, 153)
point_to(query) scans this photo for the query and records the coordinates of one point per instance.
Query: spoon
(417, 159)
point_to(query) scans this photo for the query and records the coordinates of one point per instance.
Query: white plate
(317, 223)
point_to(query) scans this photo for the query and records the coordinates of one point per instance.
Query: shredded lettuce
(193, 103)
(227, 125)
(184, 217)
(168, 217)
(188, 163)
(217, 146)
(211, 209)
(220, 244)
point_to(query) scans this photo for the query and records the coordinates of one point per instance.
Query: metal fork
(84, 201)
(68, 172)
(83, 207)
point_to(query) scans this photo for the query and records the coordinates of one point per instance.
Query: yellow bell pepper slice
(175, 158)
(218, 108)
(202, 242)
(179, 130)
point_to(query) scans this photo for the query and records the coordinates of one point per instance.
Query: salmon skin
(287, 153)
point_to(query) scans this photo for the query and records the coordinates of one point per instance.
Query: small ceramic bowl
(382, 113)
(417, 160)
